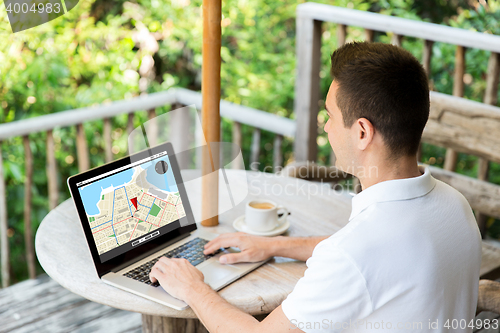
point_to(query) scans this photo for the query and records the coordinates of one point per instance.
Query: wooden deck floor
(42, 305)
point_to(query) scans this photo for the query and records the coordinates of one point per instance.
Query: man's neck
(405, 167)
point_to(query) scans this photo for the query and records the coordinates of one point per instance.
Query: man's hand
(179, 278)
(253, 248)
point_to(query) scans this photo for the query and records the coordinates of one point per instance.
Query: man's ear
(364, 133)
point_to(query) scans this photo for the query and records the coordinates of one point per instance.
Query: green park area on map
(155, 210)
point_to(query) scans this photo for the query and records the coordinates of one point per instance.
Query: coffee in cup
(262, 215)
(261, 205)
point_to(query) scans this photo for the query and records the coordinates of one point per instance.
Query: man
(409, 257)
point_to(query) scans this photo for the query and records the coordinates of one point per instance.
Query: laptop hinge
(150, 252)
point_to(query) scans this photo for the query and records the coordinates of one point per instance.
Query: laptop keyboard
(192, 251)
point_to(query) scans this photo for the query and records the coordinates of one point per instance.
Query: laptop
(135, 210)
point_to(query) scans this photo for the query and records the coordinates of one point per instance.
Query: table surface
(315, 209)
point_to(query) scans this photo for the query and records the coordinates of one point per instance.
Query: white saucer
(240, 225)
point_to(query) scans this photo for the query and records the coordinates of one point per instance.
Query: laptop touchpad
(216, 273)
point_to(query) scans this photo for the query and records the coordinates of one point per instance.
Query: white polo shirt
(408, 260)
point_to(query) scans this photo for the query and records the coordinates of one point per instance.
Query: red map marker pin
(134, 202)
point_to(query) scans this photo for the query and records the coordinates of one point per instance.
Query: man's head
(378, 103)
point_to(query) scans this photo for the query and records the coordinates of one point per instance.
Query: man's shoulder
(447, 192)
(451, 202)
(388, 222)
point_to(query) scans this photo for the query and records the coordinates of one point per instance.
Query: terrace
(456, 123)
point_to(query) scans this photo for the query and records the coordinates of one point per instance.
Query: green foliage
(93, 55)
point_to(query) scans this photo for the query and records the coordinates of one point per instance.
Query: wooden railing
(310, 17)
(260, 120)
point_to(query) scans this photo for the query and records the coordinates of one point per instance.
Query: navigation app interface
(125, 209)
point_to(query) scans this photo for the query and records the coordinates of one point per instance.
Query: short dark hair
(386, 85)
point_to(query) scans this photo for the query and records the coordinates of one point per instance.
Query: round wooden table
(315, 209)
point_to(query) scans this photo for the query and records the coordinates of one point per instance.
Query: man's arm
(300, 248)
(255, 248)
(219, 316)
(182, 280)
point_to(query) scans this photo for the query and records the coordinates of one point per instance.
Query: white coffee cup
(262, 215)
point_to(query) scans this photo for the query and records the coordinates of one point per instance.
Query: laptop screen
(131, 205)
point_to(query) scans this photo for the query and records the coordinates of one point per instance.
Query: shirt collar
(394, 190)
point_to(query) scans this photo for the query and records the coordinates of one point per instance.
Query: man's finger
(216, 244)
(164, 260)
(230, 235)
(162, 266)
(216, 240)
(154, 273)
(233, 258)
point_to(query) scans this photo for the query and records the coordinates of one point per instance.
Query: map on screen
(131, 203)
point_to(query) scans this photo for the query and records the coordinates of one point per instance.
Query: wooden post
(490, 97)
(130, 123)
(492, 79)
(152, 130)
(4, 239)
(426, 59)
(451, 158)
(341, 34)
(82, 149)
(210, 90)
(369, 35)
(396, 39)
(308, 49)
(28, 235)
(458, 78)
(130, 129)
(108, 142)
(52, 172)
(277, 155)
(255, 148)
(237, 144)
